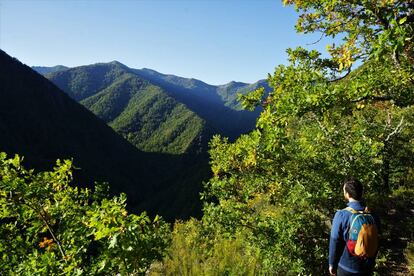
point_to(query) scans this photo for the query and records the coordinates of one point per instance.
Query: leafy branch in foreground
(275, 189)
(50, 227)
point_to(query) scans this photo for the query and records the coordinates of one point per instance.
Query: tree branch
(39, 212)
(397, 129)
(342, 77)
(396, 59)
(53, 234)
(317, 41)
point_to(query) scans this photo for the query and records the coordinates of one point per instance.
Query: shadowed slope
(40, 122)
(46, 70)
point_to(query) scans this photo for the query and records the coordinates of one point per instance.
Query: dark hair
(354, 188)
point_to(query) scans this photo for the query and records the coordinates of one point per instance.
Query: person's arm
(336, 242)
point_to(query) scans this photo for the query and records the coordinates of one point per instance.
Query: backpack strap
(354, 215)
(353, 211)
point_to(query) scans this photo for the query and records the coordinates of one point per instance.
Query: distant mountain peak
(234, 84)
(115, 62)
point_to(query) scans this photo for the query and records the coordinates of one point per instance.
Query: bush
(50, 227)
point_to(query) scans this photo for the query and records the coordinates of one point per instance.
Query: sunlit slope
(140, 111)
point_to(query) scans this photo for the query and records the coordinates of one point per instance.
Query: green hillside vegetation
(217, 106)
(42, 123)
(230, 92)
(269, 206)
(212, 103)
(146, 116)
(141, 112)
(155, 119)
(85, 81)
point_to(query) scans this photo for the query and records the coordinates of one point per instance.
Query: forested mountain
(215, 104)
(143, 113)
(42, 123)
(225, 94)
(164, 114)
(228, 92)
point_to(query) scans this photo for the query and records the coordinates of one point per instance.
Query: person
(341, 260)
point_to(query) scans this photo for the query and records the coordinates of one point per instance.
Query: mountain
(212, 103)
(217, 106)
(225, 94)
(164, 114)
(228, 92)
(141, 112)
(45, 70)
(42, 123)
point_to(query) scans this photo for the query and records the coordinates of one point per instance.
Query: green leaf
(402, 20)
(113, 241)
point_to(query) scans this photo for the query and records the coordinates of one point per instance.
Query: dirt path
(397, 216)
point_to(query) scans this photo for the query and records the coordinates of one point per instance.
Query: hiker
(353, 244)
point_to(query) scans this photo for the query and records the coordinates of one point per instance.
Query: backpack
(362, 234)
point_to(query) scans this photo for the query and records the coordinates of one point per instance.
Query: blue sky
(216, 41)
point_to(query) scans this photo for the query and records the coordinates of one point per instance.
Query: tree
(370, 28)
(50, 227)
(323, 122)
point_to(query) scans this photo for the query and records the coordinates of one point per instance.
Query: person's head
(353, 189)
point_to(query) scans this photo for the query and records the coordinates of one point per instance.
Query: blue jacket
(338, 253)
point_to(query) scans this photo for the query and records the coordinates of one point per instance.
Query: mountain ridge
(49, 69)
(132, 106)
(217, 106)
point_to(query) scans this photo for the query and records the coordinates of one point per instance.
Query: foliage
(370, 28)
(280, 184)
(410, 255)
(397, 229)
(216, 255)
(50, 227)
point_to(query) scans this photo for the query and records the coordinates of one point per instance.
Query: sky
(216, 41)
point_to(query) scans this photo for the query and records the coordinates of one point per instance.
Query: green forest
(145, 115)
(269, 204)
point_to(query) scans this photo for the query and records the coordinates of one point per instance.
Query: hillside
(228, 92)
(215, 104)
(154, 111)
(42, 123)
(164, 114)
(141, 112)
